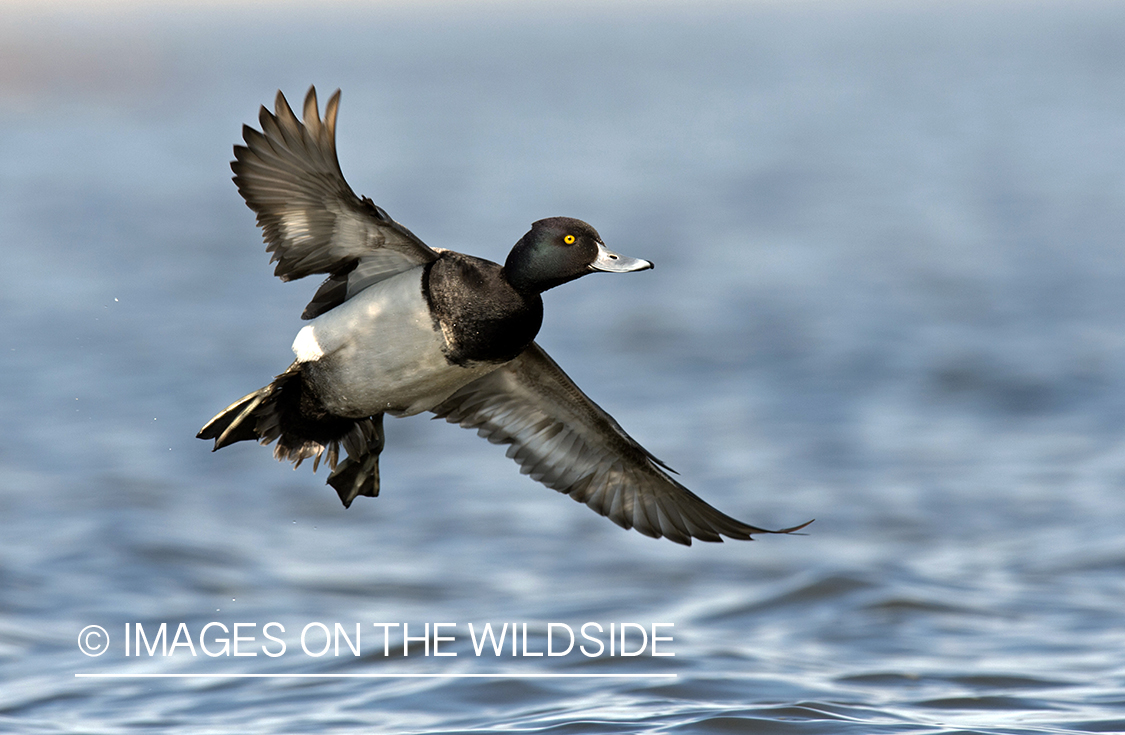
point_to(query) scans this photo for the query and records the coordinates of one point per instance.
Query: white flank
(305, 345)
(379, 352)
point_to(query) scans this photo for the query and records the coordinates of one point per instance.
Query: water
(888, 295)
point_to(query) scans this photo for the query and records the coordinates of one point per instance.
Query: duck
(398, 327)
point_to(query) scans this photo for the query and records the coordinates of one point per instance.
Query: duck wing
(311, 219)
(567, 442)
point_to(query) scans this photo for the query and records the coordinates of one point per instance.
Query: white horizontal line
(377, 676)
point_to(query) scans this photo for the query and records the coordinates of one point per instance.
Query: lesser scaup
(400, 328)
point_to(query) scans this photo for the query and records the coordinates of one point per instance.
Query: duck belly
(381, 351)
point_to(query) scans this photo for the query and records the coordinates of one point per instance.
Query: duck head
(560, 249)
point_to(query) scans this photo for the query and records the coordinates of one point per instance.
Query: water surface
(888, 295)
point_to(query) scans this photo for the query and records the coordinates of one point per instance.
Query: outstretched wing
(311, 219)
(565, 441)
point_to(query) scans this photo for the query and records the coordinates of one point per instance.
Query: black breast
(483, 318)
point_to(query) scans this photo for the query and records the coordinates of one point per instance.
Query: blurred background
(889, 294)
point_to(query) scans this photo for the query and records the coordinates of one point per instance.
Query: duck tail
(287, 412)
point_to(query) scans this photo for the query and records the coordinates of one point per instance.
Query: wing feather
(312, 221)
(565, 441)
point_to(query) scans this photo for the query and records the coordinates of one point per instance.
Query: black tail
(288, 412)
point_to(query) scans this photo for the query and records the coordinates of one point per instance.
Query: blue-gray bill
(608, 261)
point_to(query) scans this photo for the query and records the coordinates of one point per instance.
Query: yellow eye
(569, 239)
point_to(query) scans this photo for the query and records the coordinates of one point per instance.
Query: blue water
(889, 294)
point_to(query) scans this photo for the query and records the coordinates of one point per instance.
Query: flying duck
(399, 327)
